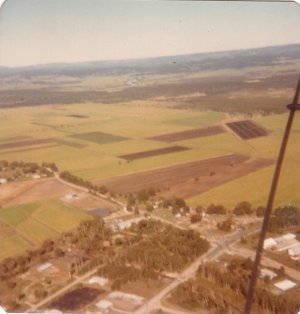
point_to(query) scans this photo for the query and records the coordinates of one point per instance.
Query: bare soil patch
(187, 179)
(88, 202)
(154, 152)
(189, 134)
(30, 191)
(247, 129)
(25, 143)
(76, 299)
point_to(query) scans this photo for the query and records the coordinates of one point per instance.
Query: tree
(260, 211)
(196, 218)
(216, 209)
(225, 225)
(149, 207)
(243, 208)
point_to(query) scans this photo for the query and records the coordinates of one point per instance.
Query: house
(285, 237)
(3, 181)
(282, 243)
(294, 252)
(35, 176)
(265, 272)
(101, 281)
(44, 267)
(104, 306)
(269, 243)
(286, 245)
(285, 285)
(71, 196)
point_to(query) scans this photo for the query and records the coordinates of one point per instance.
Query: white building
(71, 196)
(3, 181)
(35, 176)
(295, 251)
(286, 245)
(265, 272)
(104, 306)
(269, 243)
(285, 285)
(282, 243)
(44, 267)
(285, 237)
(101, 281)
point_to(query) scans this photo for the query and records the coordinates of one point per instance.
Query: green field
(25, 226)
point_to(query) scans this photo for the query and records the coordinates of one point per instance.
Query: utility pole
(255, 271)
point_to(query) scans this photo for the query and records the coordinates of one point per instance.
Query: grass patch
(13, 245)
(5, 231)
(31, 224)
(69, 217)
(35, 231)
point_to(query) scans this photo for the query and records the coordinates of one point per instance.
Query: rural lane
(218, 247)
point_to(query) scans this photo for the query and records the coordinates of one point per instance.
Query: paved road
(218, 247)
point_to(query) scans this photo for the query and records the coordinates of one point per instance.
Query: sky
(51, 31)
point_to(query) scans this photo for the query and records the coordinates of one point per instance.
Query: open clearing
(187, 179)
(154, 152)
(88, 202)
(247, 129)
(31, 191)
(186, 135)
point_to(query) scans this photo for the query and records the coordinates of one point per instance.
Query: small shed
(285, 285)
(35, 176)
(295, 251)
(101, 281)
(44, 267)
(265, 272)
(269, 243)
(3, 181)
(104, 306)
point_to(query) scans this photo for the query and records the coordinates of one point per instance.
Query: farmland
(25, 226)
(121, 140)
(187, 179)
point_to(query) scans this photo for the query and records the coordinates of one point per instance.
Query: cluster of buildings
(285, 243)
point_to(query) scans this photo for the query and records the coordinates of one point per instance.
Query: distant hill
(163, 65)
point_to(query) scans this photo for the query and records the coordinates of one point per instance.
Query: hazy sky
(46, 31)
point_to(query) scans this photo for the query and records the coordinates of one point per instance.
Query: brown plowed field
(154, 152)
(187, 179)
(247, 129)
(189, 134)
(25, 143)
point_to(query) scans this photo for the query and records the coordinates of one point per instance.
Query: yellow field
(25, 226)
